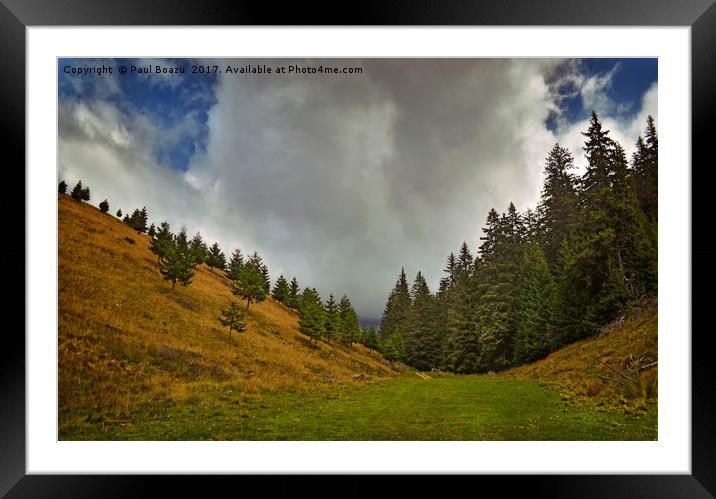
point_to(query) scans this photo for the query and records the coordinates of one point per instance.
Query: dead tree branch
(619, 373)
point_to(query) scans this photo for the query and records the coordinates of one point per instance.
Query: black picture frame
(16, 15)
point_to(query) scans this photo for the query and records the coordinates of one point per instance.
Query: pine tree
(396, 316)
(215, 259)
(333, 320)
(645, 166)
(257, 262)
(557, 209)
(422, 343)
(104, 206)
(119, 213)
(293, 294)
(233, 317)
(164, 232)
(464, 262)
(311, 315)
(370, 340)
(489, 237)
(163, 238)
(152, 231)
(267, 278)
(85, 195)
(181, 239)
(494, 316)
(176, 264)
(451, 269)
(143, 219)
(249, 285)
(280, 290)
(535, 307)
(350, 328)
(138, 220)
(77, 191)
(393, 347)
(198, 249)
(62, 187)
(235, 264)
(461, 348)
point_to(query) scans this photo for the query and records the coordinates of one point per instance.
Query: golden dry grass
(128, 342)
(578, 370)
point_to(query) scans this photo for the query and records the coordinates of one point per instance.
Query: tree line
(542, 278)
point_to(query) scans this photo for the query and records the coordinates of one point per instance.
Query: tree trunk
(229, 331)
(247, 304)
(620, 263)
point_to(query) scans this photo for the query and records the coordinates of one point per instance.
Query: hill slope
(616, 367)
(129, 345)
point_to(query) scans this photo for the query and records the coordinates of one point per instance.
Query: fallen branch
(619, 373)
(612, 379)
(647, 366)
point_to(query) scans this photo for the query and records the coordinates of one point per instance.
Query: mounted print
(357, 249)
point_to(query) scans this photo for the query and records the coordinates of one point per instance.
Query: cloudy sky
(338, 179)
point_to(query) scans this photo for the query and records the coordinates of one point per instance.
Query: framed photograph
(425, 243)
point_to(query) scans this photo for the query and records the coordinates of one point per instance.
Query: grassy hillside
(625, 349)
(130, 348)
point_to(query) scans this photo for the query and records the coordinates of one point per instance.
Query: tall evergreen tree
(293, 294)
(311, 315)
(152, 231)
(62, 187)
(215, 258)
(119, 213)
(489, 237)
(557, 209)
(249, 285)
(267, 278)
(645, 165)
(280, 290)
(85, 194)
(464, 262)
(350, 328)
(460, 343)
(396, 316)
(77, 191)
(422, 343)
(182, 239)
(370, 340)
(235, 264)
(451, 269)
(104, 206)
(198, 249)
(138, 220)
(393, 347)
(176, 264)
(332, 320)
(535, 307)
(497, 290)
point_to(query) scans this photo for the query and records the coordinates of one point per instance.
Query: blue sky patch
(630, 80)
(168, 100)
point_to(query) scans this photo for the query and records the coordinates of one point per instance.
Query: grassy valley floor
(402, 408)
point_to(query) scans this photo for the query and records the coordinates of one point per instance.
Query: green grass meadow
(403, 408)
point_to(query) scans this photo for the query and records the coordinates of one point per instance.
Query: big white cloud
(341, 180)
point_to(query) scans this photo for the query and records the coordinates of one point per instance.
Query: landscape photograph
(383, 249)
